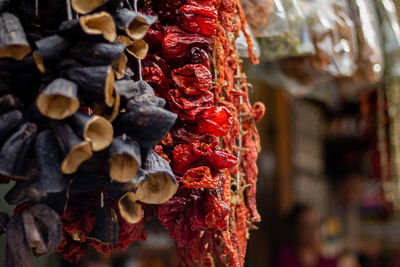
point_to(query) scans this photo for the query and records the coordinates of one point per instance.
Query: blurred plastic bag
(242, 45)
(390, 30)
(344, 37)
(285, 32)
(257, 12)
(317, 68)
(370, 57)
(334, 38)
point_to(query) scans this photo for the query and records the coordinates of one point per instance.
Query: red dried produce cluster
(205, 218)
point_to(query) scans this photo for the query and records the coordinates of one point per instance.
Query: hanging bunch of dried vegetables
(90, 146)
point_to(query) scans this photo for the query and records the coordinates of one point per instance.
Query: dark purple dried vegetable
(49, 158)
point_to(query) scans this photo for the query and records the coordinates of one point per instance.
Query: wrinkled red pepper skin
(203, 218)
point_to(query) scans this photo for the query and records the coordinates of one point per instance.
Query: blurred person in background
(302, 248)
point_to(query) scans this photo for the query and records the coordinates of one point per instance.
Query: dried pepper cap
(95, 129)
(134, 24)
(106, 228)
(15, 152)
(59, 99)
(50, 51)
(95, 83)
(49, 158)
(75, 149)
(124, 159)
(129, 209)
(13, 43)
(160, 183)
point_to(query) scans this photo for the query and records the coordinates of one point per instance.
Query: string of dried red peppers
(194, 65)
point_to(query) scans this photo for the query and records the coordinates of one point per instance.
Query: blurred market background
(329, 76)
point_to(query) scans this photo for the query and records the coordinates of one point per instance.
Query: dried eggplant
(13, 43)
(95, 83)
(51, 222)
(15, 151)
(95, 129)
(129, 209)
(124, 159)
(50, 51)
(75, 149)
(106, 228)
(134, 24)
(49, 158)
(160, 183)
(59, 99)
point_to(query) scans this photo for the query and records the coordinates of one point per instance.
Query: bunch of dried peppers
(91, 147)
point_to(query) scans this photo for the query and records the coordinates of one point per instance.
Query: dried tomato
(215, 120)
(216, 210)
(177, 44)
(198, 19)
(188, 107)
(200, 177)
(193, 79)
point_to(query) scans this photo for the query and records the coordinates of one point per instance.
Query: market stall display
(135, 109)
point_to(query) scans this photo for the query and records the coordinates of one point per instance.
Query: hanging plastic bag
(390, 30)
(344, 36)
(285, 34)
(317, 68)
(370, 57)
(257, 12)
(334, 38)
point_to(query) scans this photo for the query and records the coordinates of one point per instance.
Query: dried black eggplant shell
(33, 233)
(127, 89)
(59, 99)
(52, 224)
(145, 99)
(50, 51)
(25, 191)
(49, 158)
(160, 183)
(75, 149)
(124, 158)
(12, 65)
(78, 28)
(106, 228)
(132, 23)
(95, 129)
(15, 151)
(95, 83)
(109, 5)
(96, 54)
(4, 4)
(9, 121)
(9, 102)
(18, 253)
(4, 218)
(132, 185)
(146, 124)
(13, 43)
(83, 182)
